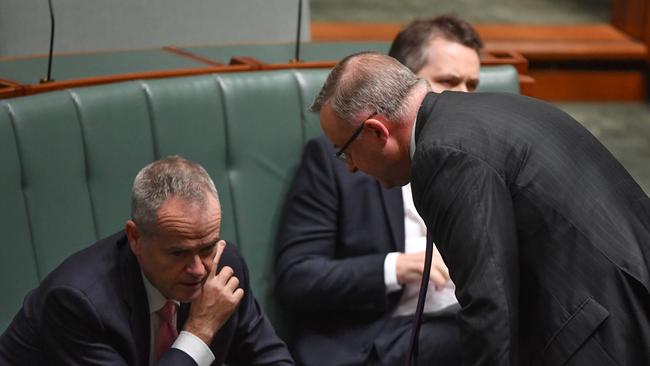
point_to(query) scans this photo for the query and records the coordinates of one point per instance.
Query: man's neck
(414, 102)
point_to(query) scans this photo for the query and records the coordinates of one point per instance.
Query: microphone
(296, 57)
(48, 78)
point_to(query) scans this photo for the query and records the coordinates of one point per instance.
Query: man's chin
(188, 292)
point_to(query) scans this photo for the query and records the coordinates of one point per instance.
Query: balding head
(364, 83)
(367, 108)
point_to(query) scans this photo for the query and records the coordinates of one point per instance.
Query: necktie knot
(166, 313)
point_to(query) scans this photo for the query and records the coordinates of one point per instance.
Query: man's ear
(133, 235)
(379, 129)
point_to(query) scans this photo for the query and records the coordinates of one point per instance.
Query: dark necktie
(412, 356)
(167, 332)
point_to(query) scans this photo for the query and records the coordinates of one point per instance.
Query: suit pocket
(574, 332)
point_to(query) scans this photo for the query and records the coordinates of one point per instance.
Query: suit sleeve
(255, 342)
(468, 207)
(74, 334)
(311, 276)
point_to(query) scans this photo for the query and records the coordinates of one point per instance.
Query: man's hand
(219, 297)
(411, 265)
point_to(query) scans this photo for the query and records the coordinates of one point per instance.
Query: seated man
(351, 253)
(121, 300)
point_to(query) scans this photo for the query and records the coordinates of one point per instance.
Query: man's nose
(462, 87)
(196, 267)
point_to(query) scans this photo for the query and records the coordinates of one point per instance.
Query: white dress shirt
(186, 341)
(415, 231)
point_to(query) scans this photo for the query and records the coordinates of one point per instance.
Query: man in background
(442, 50)
(123, 300)
(351, 253)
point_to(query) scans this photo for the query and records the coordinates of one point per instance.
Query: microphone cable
(48, 78)
(297, 51)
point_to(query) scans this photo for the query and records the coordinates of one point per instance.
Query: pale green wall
(88, 25)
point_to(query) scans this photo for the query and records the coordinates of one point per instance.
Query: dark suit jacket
(93, 310)
(334, 235)
(546, 235)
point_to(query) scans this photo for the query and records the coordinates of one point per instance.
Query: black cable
(48, 78)
(412, 356)
(297, 55)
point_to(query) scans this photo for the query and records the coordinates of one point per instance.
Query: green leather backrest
(18, 268)
(69, 159)
(264, 118)
(502, 79)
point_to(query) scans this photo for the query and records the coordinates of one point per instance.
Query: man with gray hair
(379, 87)
(351, 253)
(122, 300)
(546, 235)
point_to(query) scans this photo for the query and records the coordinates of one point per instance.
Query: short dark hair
(410, 45)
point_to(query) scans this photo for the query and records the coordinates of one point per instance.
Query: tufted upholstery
(69, 158)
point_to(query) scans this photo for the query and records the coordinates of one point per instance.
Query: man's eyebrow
(175, 248)
(200, 246)
(212, 242)
(455, 76)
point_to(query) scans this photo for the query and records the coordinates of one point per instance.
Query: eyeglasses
(341, 153)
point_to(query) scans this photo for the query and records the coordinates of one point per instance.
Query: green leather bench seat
(69, 158)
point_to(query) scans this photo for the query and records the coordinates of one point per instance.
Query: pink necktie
(167, 332)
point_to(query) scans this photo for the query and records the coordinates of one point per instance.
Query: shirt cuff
(195, 348)
(390, 272)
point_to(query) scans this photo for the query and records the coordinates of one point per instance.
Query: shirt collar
(412, 146)
(155, 298)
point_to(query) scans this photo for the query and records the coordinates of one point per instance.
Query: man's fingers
(444, 271)
(232, 284)
(217, 257)
(440, 269)
(238, 294)
(438, 279)
(225, 274)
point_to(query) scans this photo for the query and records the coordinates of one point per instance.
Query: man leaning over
(546, 235)
(351, 253)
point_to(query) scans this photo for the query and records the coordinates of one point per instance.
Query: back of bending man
(545, 234)
(351, 252)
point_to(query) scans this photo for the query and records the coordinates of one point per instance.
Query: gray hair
(367, 82)
(173, 176)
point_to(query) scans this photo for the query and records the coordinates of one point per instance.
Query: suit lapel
(136, 300)
(394, 211)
